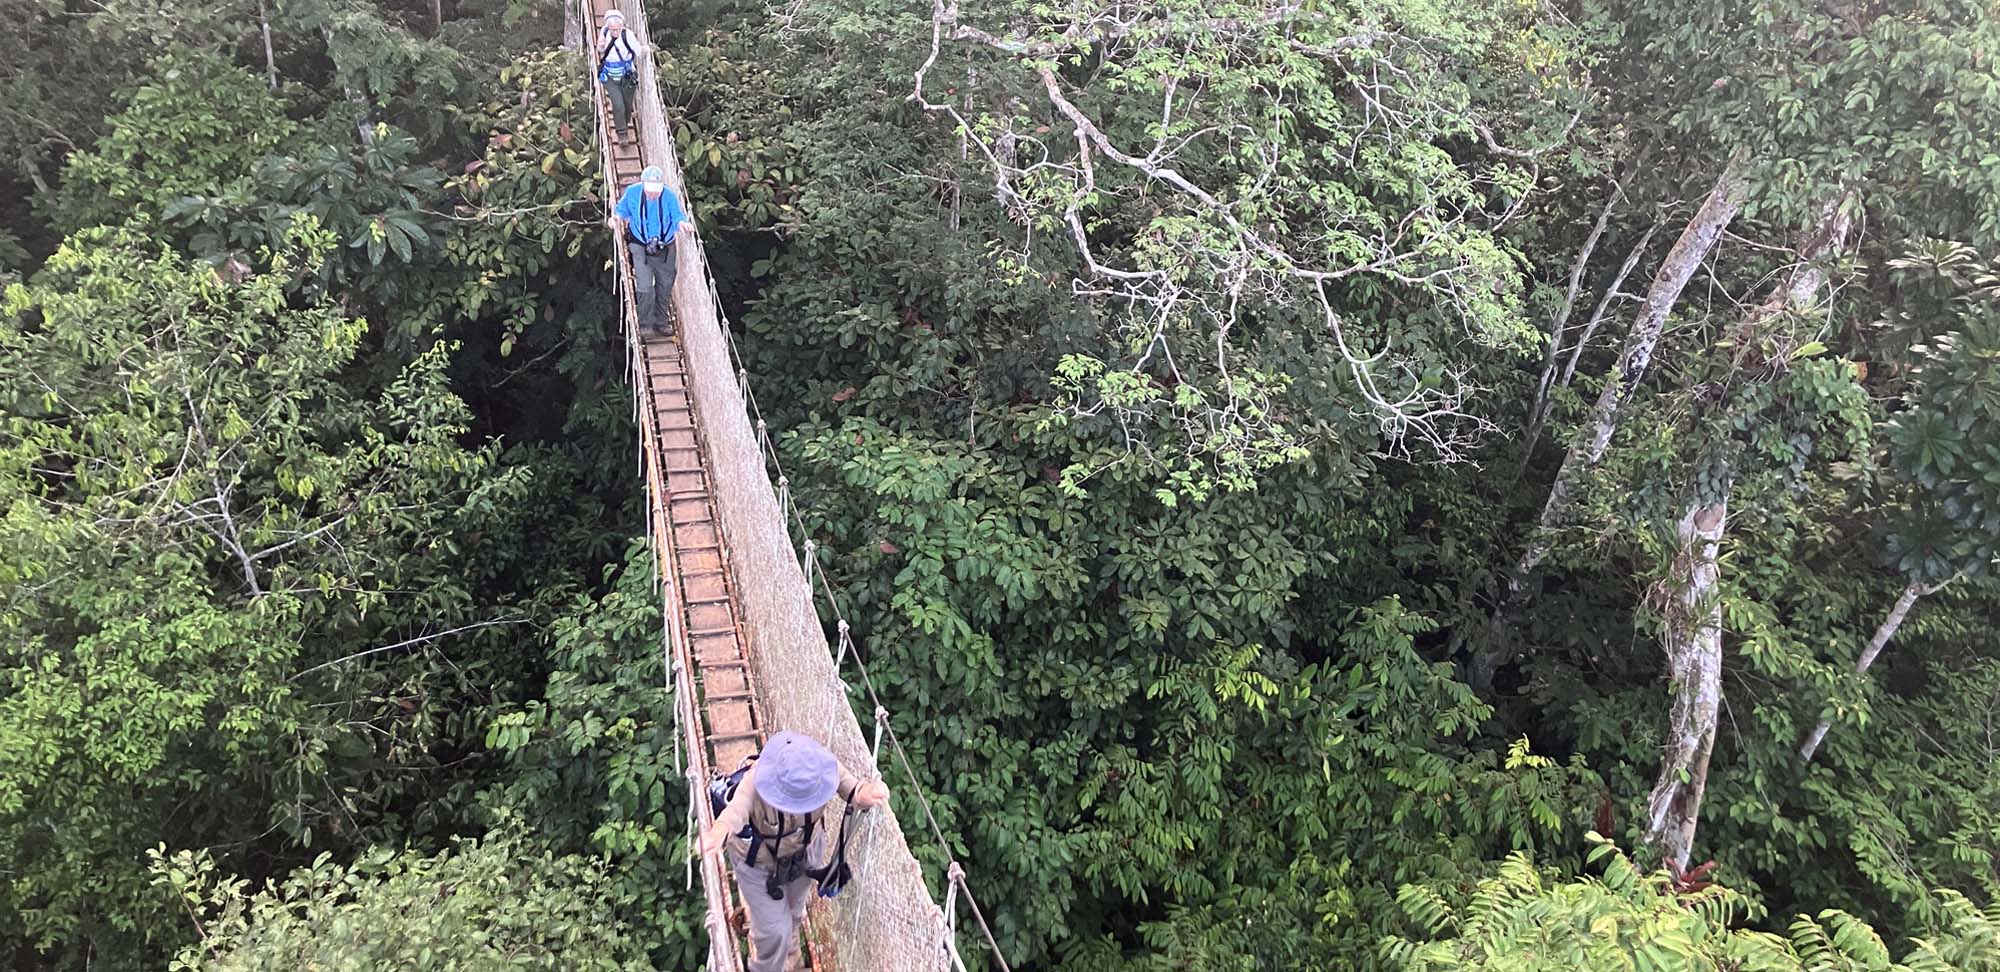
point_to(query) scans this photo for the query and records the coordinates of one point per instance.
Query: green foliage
(1251, 289)
(1023, 570)
(201, 523)
(1942, 442)
(369, 200)
(1818, 97)
(486, 904)
(207, 152)
(198, 127)
(266, 570)
(594, 760)
(529, 206)
(1524, 919)
(741, 180)
(1163, 740)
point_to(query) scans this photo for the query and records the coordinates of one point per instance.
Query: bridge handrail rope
(794, 517)
(957, 883)
(679, 678)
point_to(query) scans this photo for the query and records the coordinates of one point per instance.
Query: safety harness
(611, 70)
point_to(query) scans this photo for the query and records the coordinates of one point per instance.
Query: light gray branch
(421, 639)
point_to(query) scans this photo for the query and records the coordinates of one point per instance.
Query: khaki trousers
(774, 925)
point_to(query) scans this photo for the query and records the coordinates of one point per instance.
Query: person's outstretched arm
(863, 796)
(622, 213)
(677, 219)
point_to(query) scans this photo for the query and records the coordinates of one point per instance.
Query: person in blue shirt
(650, 217)
(618, 53)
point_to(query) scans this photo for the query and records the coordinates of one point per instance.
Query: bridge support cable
(743, 641)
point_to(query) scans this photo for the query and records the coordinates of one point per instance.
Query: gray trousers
(623, 92)
(653, 283)
(774, 925)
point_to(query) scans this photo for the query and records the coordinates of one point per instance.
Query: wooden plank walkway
(693, 557)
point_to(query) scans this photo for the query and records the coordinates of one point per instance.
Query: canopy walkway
(744, 645)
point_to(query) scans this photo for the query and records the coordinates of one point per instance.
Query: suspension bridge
(745, 648)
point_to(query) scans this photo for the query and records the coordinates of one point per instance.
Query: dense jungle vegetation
(1344, 485)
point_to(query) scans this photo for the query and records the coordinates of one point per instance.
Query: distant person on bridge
(651, 217)
(768, 826)
(618, 53)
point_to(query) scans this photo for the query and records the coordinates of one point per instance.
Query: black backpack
(832, 878)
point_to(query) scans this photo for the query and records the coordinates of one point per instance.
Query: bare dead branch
(419, 640)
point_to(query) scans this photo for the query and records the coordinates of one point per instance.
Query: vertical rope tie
(881, 719)
(677, 694)
(785, 504)
(877, 753)
(840, 654)
(954, 876)
(694, 838)
(811, 561)
(954, 880)
(639, 426)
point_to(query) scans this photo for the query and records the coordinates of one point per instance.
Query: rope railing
(957, 883)
(678, 678)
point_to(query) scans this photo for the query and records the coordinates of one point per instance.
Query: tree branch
(422, 639)
(1885, 631)
(1559, 322)
(268, 551)
(1486, 136)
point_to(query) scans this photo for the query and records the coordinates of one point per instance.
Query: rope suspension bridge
(744, 647)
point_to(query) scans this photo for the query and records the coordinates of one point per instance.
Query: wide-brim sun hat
(795, 774)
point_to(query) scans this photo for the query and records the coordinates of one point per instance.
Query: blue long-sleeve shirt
(650, 220)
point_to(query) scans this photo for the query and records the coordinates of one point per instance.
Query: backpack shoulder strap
(757, 840)
(613, 42)
(834, 876)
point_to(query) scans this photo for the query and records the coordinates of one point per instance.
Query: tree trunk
(1715, 215)
(572, 27)
(1559, 323)
(1603, 304)
(1724, 200)
(1861, 665)
(437, 17)
(364, 125)
(1694, 657)
(270, 56)
(1692, 640)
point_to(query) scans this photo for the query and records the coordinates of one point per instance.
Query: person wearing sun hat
(768, 829)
